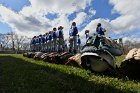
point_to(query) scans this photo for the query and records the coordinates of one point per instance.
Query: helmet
(99, 24)
(87, 31)
(73, 23)
(60, 27)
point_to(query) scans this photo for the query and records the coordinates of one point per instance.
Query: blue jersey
(46, 39)
(60, 34)
(100, 31)
(42, 39)
(74, 31)
(50, 37)
(87, 35)
(33, 41)
(39, 39)
(54, 35)
(79, 41)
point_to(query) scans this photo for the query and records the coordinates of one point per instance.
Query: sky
(34, 17)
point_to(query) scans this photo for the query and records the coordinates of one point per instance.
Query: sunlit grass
(24, 75)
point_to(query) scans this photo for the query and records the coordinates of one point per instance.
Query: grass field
(23, 75)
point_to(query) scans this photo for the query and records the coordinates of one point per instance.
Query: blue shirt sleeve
(43, 39)
(79, 41)
(54, 35)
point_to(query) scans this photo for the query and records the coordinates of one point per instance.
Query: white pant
(54, 44)
(78, 48)
(50, 45)
(73, 43)
(60, 44)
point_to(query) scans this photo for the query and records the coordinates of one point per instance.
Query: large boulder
(74, 60)
(130, 66)
(64, 57)
(25, 54)
(56, 57)
(38, 55)
(43, 56)
(133, 54)
(51, 58)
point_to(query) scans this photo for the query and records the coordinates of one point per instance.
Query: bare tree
(4, 41)
(14, 42)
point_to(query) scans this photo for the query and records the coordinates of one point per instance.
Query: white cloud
(129, 15)
(31, 19)
(131, 39)
(22, 24)
(57, 6)
(93, 24)
(92, 27)
(126, 22)
(63, 6)
(92, 11)
(62, 20)
(80, 18)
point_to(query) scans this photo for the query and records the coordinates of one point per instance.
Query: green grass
(119, 59)
(24, 75)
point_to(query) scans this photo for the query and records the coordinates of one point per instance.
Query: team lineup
(53, 41)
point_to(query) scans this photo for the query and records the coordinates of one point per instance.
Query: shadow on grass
(20, 76)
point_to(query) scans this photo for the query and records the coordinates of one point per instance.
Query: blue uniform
(79, 41)
(33, 41)
(50, 42)
(32, 47)
(60, 41)
(54, 35)
(46, 44)
(43, 39)
(37, 43)
(74, 31)
(78, 44)
(73, 36)
(60, 35)
(36, 40)
(42, 43)
(46, 39)
(39, 40)
(100, 31)
(50, 37)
